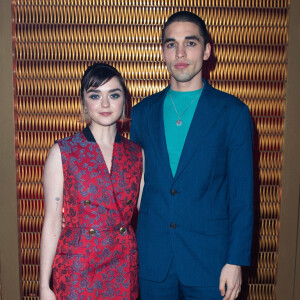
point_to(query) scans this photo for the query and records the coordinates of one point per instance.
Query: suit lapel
(157, 132)
(204, 118)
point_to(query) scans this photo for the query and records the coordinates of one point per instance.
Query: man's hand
(231, 276)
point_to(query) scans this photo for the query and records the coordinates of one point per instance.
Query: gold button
(92, 232)
(87, 202)
(122, 230)
(129, 202)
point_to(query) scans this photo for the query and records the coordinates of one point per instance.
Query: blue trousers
(172, 289)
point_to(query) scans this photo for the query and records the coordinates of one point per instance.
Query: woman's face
(104, 104)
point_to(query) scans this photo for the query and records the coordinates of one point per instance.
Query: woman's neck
(104, 135)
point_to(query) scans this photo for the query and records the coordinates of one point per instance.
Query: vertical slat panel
(55, 40)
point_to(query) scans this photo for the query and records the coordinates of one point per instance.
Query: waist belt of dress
(98, 227)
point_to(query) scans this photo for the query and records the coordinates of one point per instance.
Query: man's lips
(181, 65)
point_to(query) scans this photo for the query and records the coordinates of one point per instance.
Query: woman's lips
(105, 114)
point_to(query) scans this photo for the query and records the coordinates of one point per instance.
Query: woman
(95, 176)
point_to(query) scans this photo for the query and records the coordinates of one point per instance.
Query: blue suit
(202, 218)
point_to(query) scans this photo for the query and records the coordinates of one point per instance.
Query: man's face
(183, 51)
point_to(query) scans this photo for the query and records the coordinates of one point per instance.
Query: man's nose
(180, 51)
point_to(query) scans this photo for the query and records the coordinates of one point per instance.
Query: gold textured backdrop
(55, 40)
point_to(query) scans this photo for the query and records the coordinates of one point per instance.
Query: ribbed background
(54, 41)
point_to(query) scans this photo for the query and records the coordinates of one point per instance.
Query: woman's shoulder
(131, 145)
(71, 139)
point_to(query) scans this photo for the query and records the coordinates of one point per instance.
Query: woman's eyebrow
(115, 90)
(99, 91)
(93, 91)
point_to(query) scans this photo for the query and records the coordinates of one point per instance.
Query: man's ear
(207, 51)
(162, 53)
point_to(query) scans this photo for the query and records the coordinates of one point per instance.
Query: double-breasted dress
(96, 255)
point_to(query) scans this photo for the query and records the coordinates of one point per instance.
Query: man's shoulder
(149, 101)
(224, 99)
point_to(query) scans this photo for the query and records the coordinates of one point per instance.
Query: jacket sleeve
(240, 189)
(134, 128)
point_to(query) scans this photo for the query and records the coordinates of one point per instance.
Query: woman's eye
(115, 96)
(94, 96)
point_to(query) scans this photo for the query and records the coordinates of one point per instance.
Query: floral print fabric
(96, 255)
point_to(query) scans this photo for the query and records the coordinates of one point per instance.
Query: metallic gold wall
(55, 40)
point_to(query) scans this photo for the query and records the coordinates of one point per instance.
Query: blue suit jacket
(202, 218)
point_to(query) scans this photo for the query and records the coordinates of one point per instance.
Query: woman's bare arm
(142, 183)
(53, 196)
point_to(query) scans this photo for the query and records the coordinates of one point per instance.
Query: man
(195, 221)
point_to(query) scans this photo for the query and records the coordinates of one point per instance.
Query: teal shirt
(176, 135)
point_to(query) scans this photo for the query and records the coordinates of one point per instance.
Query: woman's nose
(105, 102)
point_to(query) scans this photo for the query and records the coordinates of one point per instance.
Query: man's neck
(185, 86)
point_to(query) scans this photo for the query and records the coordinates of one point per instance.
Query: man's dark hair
(186, 16)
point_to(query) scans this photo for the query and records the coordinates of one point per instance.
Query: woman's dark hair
(186, 16)
(97, 75)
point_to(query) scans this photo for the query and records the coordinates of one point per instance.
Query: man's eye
(115, 96)
(191, 43)
(170, 45)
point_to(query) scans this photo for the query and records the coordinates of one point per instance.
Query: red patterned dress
(96, 255)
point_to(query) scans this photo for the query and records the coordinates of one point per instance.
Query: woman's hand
(47, 294)
(142, 183)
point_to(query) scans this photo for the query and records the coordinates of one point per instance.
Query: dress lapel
(102, 167)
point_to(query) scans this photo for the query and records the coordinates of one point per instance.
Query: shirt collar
(90, 138)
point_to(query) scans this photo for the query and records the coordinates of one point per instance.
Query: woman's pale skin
(104, 106)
